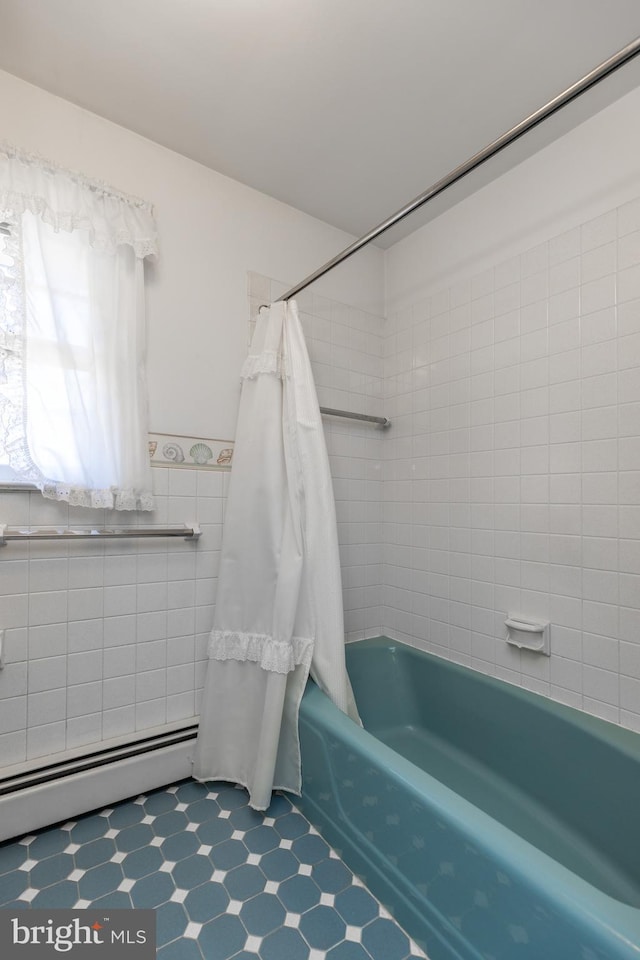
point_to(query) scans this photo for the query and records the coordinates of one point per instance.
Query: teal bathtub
(492, 822)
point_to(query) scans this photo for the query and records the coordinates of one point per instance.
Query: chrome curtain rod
(189, 533)
(606, 68)
(330, 412)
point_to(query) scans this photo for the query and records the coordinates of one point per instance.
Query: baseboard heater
(60, 790)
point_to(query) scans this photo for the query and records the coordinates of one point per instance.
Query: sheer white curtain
(73, 411)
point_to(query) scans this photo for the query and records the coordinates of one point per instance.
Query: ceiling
(345, 109)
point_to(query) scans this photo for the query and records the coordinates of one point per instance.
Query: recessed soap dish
(527, 634)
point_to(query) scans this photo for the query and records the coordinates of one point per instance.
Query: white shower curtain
(279, 603)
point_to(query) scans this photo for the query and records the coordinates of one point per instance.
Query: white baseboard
(60, 800)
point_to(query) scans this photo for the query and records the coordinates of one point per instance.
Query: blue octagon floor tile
(179, 846)
(180, 950)
(310, 848)
(261, 839)
(169, 823)
(152, 891)
(140, 863)
(171, 922)
(291, 826)
(331, 875)
(161, 802)
(191, 790)
(12, 885)
(284, 943)
(232, 799)
(117, 900)
(299, 893)
(356, 906)
(227, 855)
(12, 855)
(279, 865)
(262, 914)
(385, 941)
(222, 938)
(206, 902)
(94, 852)
(202, 810)
(63, 894)
(89, 828)
(100, 880)
(244, 818)
(348, 950)
(322, 927)
(51, 841)
(244, 882)
(132, 838)
(192, 871)
(126, 814)
(51, 870)
(213, 832)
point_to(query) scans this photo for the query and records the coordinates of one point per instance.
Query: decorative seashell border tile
(171, 450)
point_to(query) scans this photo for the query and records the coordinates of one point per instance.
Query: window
(73, 417)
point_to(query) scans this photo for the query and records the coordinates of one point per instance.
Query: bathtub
(492, 822)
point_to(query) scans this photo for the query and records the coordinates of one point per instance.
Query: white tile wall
(512, 475)
(106, 639)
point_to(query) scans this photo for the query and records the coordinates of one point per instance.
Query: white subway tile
(85, 604)
(84, 730)
(602, 685)
(47, 607)
(13, 747)
(84, 667)
(628, 217)
(13, 715)
(84, 699)
(628, 284)
(601, 230)
(46, 739)
(47, 673)
(48, 640)
(118, 692)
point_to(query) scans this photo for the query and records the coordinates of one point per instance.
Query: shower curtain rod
(606, 68)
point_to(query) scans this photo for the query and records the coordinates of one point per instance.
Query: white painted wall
(512, 375)
(212, 231)
(588, 171)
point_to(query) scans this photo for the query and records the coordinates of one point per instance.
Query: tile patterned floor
(226, 882)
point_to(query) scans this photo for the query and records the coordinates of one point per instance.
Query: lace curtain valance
(70, 201)
(73, 399)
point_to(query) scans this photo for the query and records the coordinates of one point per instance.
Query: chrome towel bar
(188, 533)
(330, 412)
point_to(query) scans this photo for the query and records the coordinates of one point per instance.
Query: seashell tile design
(171, 450)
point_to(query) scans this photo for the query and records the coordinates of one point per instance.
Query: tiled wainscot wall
(105, 639)
(512, 479)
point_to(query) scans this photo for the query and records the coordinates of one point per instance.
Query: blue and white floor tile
(226, 882)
